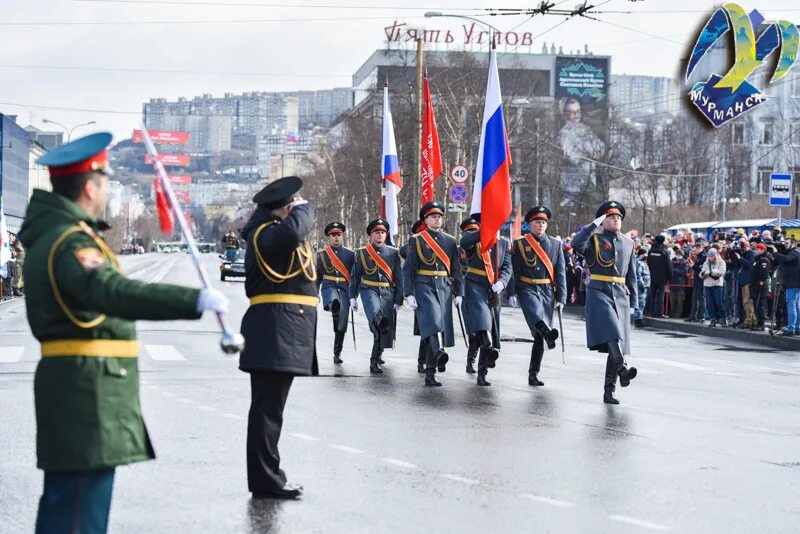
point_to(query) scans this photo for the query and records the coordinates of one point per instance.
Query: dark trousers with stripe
(77, 503)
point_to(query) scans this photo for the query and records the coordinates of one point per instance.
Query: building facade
(14, 175)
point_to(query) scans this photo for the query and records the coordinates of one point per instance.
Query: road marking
(207, 408)
(11, 354)
(164, 353)
(345, 448)
(638, 522)
(463, 480)
(548, 500)
(232, 416)
(305, 437)
(766, 430)
(677, 365)
(399, 463)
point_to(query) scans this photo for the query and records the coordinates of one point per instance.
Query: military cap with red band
(87, 154)
(431, 208)
(612, 207)
(470, 224)
(538, 212)
(335, 227)
(378, 224)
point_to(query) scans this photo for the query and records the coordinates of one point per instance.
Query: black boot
(338, 343)
(608, 398)
(537, 351)
(471, 366)
(549, 334)
(441, 361)
(472, 352)
(625, 374)
(430, 378)
(610, 381)
(421, 355)
(374, 358)
(482, 380)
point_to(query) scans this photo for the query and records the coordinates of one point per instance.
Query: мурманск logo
(723, 98)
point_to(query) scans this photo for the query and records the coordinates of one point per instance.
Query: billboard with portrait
(581, 96)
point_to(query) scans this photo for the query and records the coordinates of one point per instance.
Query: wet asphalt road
(707, 438)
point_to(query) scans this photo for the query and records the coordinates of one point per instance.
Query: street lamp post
(68, 131)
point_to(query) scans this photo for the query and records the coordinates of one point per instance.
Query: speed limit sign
(459, 174)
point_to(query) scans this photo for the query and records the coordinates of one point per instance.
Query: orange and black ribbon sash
(337, 263)
(434, 246)
(380, 262)
(487, 262)
(537, 248)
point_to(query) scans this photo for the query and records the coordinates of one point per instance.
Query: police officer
(423, 342)
(487, 274)
(82, 308)
(334, 264)
(540, 284)
(432, 277)
(468, 225)
(611, 292)
(231, 243)
(759, 290)
(279, 327)
(377, 277)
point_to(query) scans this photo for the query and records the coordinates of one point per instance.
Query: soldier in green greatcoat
(82, 309)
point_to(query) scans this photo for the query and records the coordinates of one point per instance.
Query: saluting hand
(598, 221)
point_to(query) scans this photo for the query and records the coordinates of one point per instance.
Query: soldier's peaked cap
(378, 224)
(538, 212)
(86, 154)
(470, 224)
(335, 226)
(612, 207)
(430, 208)
(279, 193)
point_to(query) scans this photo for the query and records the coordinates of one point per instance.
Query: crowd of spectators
(731, 280)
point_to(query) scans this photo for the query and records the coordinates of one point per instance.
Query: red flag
(164, 209)
(516, 227)
(431, 155)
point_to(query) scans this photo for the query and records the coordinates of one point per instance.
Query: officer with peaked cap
(540, 284)
(334, 264)
(279, 327)
(487, 275)
(611, 292)
(423, 342)
(431, 277)
(82, 309)
(468, 225)
(377, 277)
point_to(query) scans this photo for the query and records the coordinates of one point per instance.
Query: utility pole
(418, 188)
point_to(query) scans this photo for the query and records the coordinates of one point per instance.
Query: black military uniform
(377, 278)
(334, 265)
(762, 270)
(279, 327)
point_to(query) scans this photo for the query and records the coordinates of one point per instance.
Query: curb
(678, 325)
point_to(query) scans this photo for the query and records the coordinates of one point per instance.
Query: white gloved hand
(559, 306)
(457, 302)
(354, 304)
(633, 311)
(211, 299)
(298, 201)
(412, 302)
(598, 221)
(513, 302)
(498, 287)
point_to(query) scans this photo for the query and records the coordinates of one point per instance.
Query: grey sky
(307, 54)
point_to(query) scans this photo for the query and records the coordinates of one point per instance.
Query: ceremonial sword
(232, 342)
(561, 328)
(353, 329)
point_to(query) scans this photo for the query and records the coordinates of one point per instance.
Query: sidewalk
(734, 334)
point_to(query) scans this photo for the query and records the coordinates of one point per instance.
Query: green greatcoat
(88, 414)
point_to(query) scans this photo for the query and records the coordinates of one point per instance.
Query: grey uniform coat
(332, 283)
(378, 299)
(538, 300)
(434, 294)
(280, 337)
(477, 313)
(608, 304)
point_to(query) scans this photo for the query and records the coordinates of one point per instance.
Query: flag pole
(232, 342)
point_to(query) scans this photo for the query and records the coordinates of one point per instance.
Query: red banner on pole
(164, 210)
(431, 159)
(162, 137)
(181, 179)
(177, 160)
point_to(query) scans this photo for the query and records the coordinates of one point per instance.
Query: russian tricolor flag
(491, 194)
(390, 167)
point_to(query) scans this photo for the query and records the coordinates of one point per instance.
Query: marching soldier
(611, 292)
(540, 285)
(231, 243)
(468, 225)
(334, 264)
(432, 277)
(82, 308)
(487, 274)
(423, 343)
(377, 277)
(279, 327)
